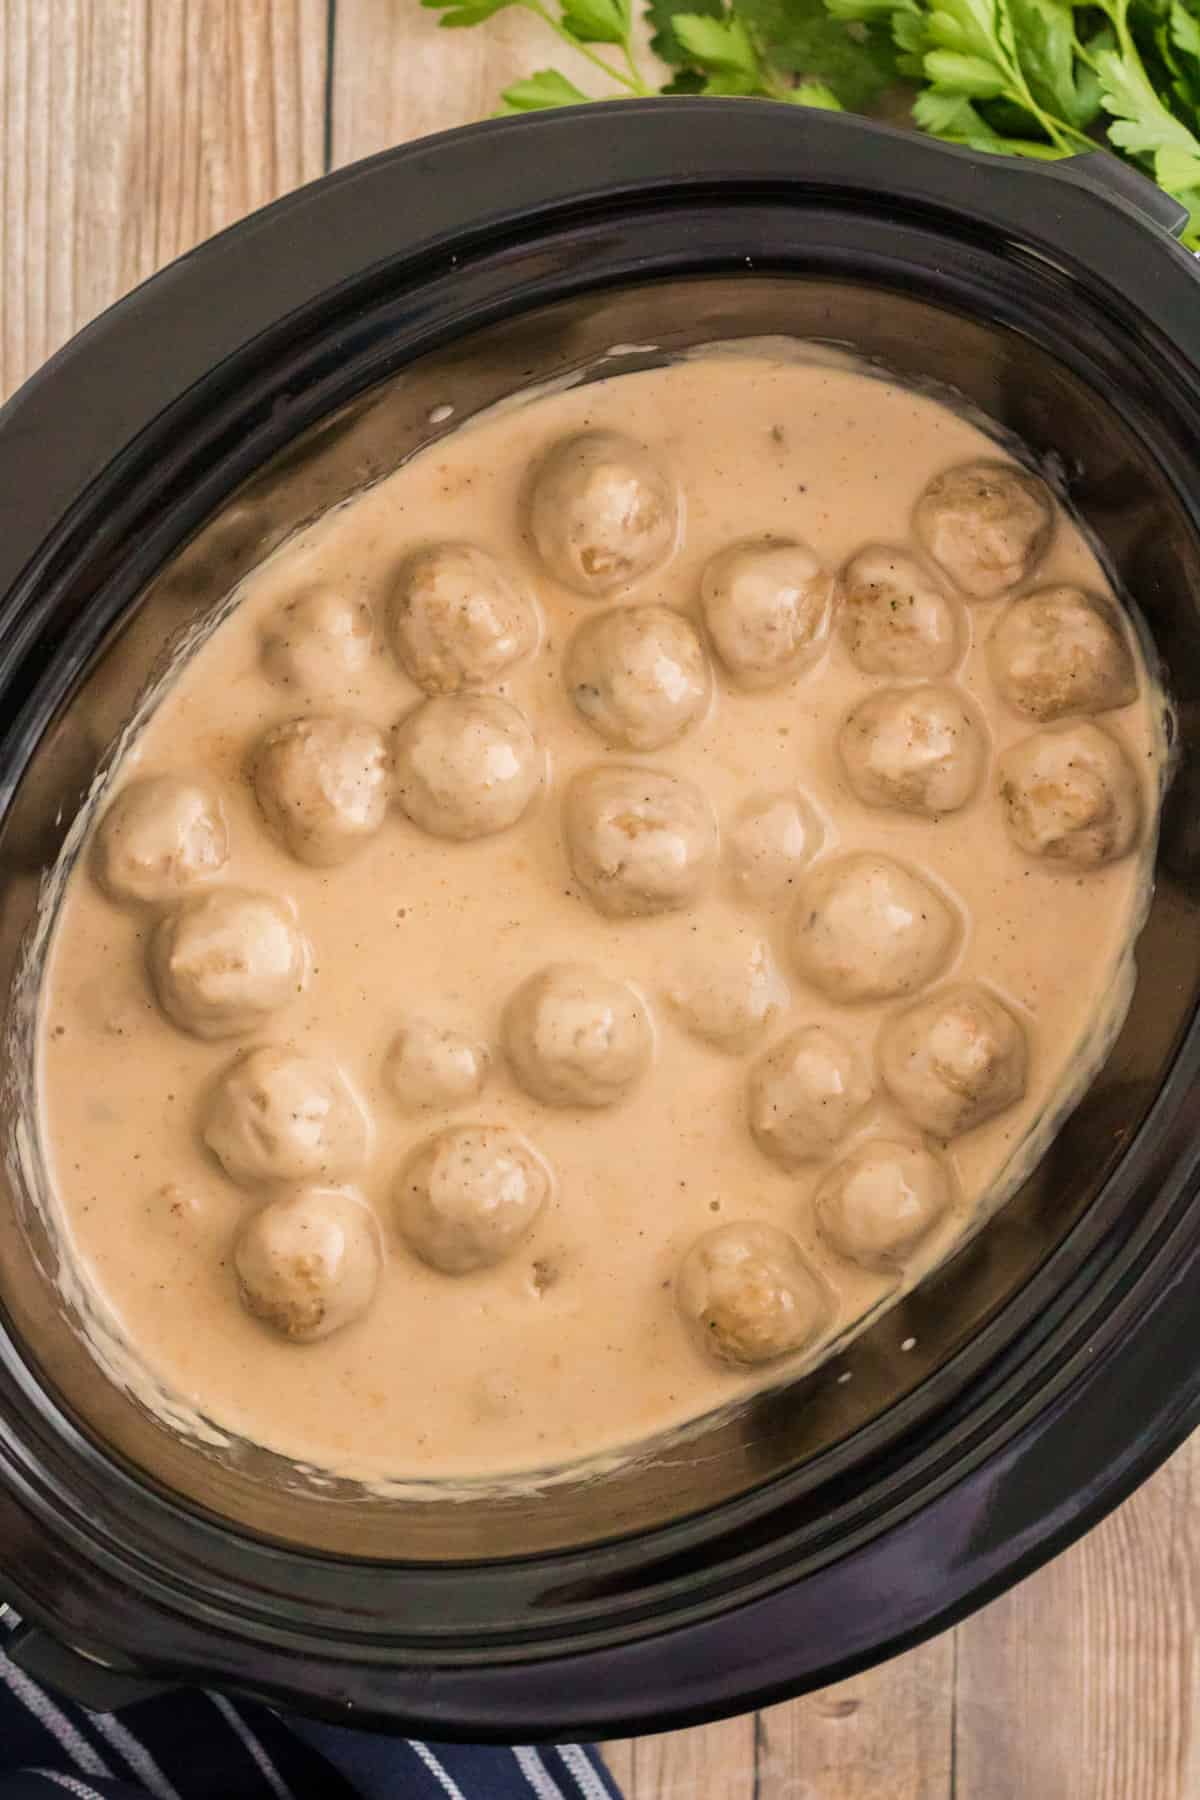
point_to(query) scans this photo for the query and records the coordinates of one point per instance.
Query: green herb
(1034, 78)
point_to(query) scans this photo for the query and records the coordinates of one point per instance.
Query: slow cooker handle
(72, 1673)
(1101, 173)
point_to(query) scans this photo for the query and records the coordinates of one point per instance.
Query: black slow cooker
(1021, 1391)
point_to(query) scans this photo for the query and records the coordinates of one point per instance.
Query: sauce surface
(573, 1343)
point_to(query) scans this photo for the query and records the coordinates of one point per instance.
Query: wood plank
(716, 1762)
(398, 75)
(886, 1732)
(1081, 1684)
(131, 129)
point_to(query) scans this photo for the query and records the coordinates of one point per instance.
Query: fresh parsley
(1036, 78)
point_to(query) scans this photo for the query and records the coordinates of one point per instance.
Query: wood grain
(1081, 1684)
(130, 129)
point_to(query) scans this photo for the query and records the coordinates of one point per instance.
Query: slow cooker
(1029, 1384)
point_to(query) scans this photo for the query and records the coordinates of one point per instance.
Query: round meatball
(223, 963)
(766, 605)
(466, 766)
(308, 1263)
(894, 618)
(277, 1115)
(728, 990)
(322, 787)
(881, 1202)
(638, 675)
(603, 512)
(749, 1296)
(639, 840)
(467, 1197)
(914, 749)
(868, 928)
(431, 1066)
(954, 1060)
(458, 619)
(771, 842)
(162, 837)
(577, 1037)
(319, 643)
(1071, 795)
(805, 1094)
(987, 524)
(1061, 651)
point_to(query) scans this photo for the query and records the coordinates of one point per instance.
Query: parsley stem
(632, 82)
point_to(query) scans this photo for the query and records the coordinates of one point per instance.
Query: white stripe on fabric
(265, 1766)
(425, 1755)
(537, 1774)
(582, 1772)
(135, 1754)
(79, 1788)
(51, 1719)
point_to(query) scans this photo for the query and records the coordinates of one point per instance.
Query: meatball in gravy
(466, 1197)
(458, 619)
(638, 675)
(226, 962)
(603, 512)
(577, 1037)
(639, 840)
(591, 922)
(867, 928)
(1070, 795)
(308, 1263)
(160, 839)
(748, 1294)
(986, 525)
(1061, 651)
(766, 606)
(322, 785)
(465, 767)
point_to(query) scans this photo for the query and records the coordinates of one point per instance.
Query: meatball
(881, 1202)
(602, 512)
(729, 990)
(162, 837)
(766, 605)
(1071, 795)
(748, 1294)
(805, 1094)
(431, 1066)
(954, 1060)
(639, 840)
(308, 1263)
(987, 524)
(277, 1115)
(868, 928)
(914, 749)
(224, 962)
(466, 1197)
(1061, 651)
(577, 1037)
(458, 619)
(772, 840)
(319, 643)
(322, 787)
(638, 675)
(466, 766)
(894, 618)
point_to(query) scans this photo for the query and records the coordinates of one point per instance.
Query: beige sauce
(573, 1344)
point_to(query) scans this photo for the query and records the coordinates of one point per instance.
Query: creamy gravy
(573, 1343)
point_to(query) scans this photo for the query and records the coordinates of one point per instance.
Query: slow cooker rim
(686, 110)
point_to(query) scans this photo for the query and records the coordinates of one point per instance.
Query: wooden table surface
(129, 130)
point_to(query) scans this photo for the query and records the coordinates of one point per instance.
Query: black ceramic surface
(286, 364)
